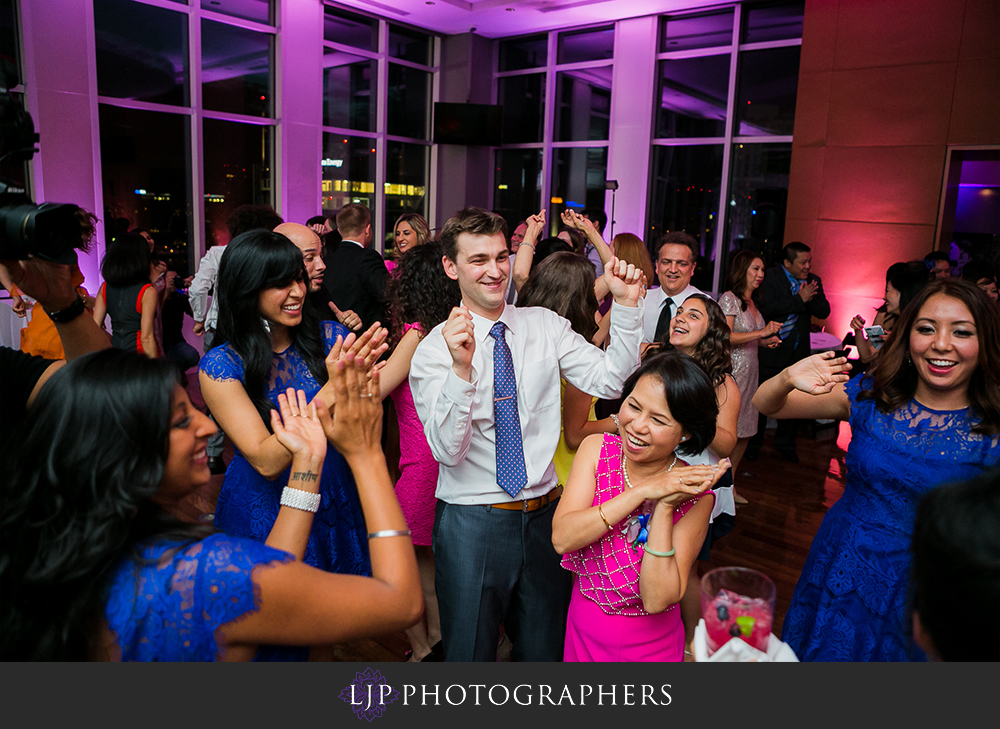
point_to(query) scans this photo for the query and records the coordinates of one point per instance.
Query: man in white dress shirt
(494, 560)
(676, 256)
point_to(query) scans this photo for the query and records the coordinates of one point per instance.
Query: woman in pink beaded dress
(420, 297)
(633, 516)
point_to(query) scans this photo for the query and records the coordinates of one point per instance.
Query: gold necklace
(625, 469)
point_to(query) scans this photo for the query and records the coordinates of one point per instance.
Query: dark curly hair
(78, 485)
(564, 283)
(254, 261)
(892, 382)
(419, 290)
(689, 393)
(713, 351)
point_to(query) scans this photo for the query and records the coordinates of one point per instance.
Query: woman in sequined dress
(748, 332)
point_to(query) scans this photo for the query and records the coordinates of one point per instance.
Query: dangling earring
(909, 360)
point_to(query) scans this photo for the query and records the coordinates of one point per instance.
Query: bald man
(312, 251)
(311, 246)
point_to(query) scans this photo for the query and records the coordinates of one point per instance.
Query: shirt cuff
(627, 317)
(458, 390)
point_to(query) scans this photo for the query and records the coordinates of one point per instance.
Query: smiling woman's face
(689, 325)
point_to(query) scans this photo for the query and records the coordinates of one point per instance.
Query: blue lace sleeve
(222, 363)
(331, 330)
(167, 604)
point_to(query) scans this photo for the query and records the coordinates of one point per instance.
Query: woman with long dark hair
(928, 412)
(420, 296)
(95, 566)
(631, 520)
(128, 296)
(903, 281)
(748, 332)
(269, 339)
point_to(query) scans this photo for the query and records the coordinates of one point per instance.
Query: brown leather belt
(528, 505)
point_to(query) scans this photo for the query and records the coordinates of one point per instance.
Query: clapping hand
(808, 290)
(356, 426)
(818, 374)
(366, 349)
(460, 336)
(685, 482)
(572, 219)
(299, 426)
(624, 281)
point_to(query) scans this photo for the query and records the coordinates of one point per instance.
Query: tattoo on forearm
(306, 476)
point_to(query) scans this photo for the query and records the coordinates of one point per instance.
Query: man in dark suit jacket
(793, 295)
(356, 276)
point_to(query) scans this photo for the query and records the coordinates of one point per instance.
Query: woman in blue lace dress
(270, 339)
(94, 565)
(928, 413)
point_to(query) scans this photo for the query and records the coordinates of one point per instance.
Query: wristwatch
(68, 314)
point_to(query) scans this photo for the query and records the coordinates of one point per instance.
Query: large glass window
(578, 175)
(348, 171)
(142, 52)
(722, 144)
(518, 181)
(543, 163)
(238, 171)
(521, 53)
(349, 91)
(388, 168)
(685, 181)
(236, 69)
(768, 85)
(584, 109)
(409, 101)
(758, 193)
(260, 10)
(523, 101)
(145, 176)
(692, 97)
(154, 140)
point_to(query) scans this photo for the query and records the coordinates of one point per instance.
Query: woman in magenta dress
(633, 516)
(420, 297)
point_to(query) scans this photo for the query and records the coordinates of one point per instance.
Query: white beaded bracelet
(299, 499)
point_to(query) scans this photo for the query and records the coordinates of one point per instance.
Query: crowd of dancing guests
(565, 462)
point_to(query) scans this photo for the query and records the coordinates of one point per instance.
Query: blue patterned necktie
(789, 324)
(511, 473)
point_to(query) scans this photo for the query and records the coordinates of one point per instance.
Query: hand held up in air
(298, 426)
(356, 426)
(624, 281)
(818, 374)
(535, 225)
(460, 336)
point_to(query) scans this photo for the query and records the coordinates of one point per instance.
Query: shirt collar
(357, 243)
(482, 325)
(791, 279)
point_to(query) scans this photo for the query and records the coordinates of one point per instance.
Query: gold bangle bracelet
(600, 510)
